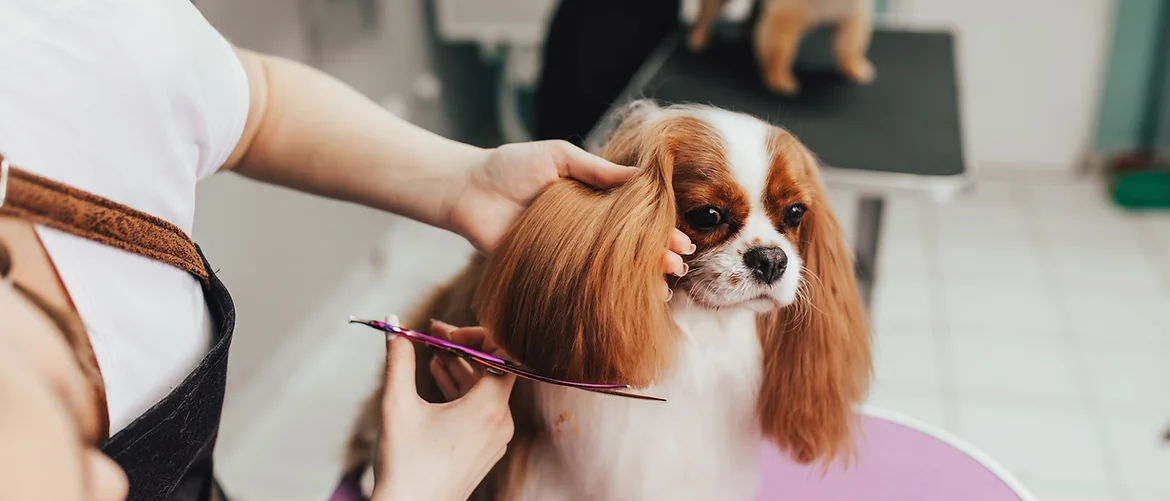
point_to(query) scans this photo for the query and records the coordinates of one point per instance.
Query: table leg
(870, 210)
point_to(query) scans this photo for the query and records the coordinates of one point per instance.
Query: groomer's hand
(495, 191)
(455, 375)
(437, 452)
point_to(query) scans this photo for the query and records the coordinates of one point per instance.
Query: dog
(781, 26)
(765, 337)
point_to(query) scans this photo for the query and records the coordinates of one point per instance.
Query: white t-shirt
(134, 101)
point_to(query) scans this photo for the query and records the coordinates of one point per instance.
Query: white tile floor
(1030, 318)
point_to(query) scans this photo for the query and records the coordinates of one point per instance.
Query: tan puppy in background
(782, 25)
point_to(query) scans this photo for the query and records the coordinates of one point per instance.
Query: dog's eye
(793, 214)
(705, 218)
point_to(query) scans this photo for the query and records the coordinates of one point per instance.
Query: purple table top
(898, 459)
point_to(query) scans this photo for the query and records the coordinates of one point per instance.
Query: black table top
(904, 126)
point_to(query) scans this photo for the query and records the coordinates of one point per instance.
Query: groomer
(110, 112)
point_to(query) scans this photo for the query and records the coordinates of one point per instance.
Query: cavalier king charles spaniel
(765, 339)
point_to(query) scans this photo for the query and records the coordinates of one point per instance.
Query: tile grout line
(1089, 400)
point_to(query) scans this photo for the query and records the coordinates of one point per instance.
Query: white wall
(283, 254)
(1031, 74)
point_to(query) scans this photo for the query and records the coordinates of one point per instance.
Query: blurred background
(1029, 316)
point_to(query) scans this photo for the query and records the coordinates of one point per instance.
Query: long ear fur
(576, 289)
(817, 362)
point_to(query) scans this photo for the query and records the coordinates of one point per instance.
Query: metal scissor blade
(619, 391)
(493, 362)
(627, 394)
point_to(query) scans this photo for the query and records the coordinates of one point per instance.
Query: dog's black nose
(766, 263)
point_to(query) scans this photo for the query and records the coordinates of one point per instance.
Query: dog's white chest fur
(701, 444)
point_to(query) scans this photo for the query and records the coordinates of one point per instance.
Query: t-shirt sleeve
(224, 83)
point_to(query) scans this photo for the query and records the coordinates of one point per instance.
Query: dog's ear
(817, 364)
(575, 290)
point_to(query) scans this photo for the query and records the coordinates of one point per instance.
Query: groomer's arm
(311, 132)
(308, 131)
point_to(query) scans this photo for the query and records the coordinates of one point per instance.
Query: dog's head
(575, 289)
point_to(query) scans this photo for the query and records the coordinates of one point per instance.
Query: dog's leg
(701, 31)
(778, 35)
(850, 42)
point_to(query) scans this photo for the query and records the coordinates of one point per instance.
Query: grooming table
(900, 134)
(898, 459)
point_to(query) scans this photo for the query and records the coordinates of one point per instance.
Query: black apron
(166, 452)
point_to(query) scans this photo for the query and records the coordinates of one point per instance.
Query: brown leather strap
(49, 203)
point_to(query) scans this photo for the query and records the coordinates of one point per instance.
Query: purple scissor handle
(497, 365)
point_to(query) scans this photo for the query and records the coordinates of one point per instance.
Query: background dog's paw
(783, 83)
(697, 39)
(860, 71)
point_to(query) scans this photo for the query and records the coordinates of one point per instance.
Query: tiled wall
(1030, 75)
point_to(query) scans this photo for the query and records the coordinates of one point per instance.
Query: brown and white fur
(743, 352)
(782, 25)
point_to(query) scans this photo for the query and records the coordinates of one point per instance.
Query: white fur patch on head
(745, 140)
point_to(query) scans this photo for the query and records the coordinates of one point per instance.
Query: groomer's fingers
(680, 243)
(399, 365)
(473, 337)
(485, 344)
(462, 373)
(441, 329)
(586, 167)
(444, 380)
(673, 264)
(491, 392)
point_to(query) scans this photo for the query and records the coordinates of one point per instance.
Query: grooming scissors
(497, 365)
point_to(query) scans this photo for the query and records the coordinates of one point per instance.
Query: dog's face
(749, 196)
(743, 191)
(741, 201)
